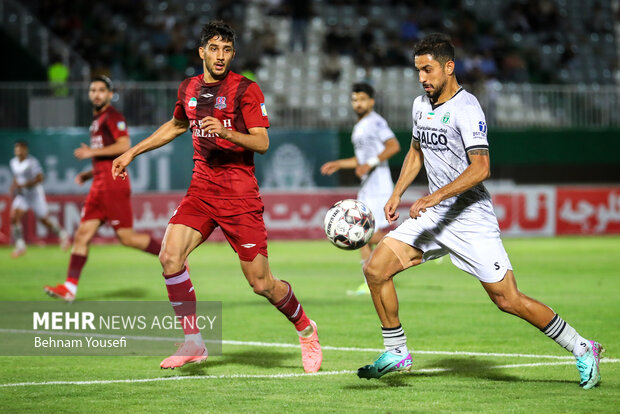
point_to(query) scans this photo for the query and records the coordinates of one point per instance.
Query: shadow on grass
(262, 359)
(132, 293)
(468, 368)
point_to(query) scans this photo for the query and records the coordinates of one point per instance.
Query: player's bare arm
(331, 167)
(478, 171)
(31, 183)
(411, 167)
(121, 145)
(164, 134)
(257, 140)
(391, 148)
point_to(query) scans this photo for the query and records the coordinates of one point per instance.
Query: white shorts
(34, 201)
(473, 242)
(376, 204)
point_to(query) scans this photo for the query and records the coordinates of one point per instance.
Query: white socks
(566, 336)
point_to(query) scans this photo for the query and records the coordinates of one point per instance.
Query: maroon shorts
(113, 206)
(241, 221)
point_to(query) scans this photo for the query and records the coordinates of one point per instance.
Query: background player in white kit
(374, 143)
(28, 194)
(456, 218)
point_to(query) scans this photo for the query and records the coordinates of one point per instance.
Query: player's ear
(449, 67)
(201, 52)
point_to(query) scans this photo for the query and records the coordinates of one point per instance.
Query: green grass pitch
(445, 313)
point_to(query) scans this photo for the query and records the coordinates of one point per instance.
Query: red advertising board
(521, 211)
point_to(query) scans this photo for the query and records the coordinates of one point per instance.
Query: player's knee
(375, 274)
(170, 258)
(504, 303)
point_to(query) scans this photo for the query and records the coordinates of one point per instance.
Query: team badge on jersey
(263, 109)
(192, 103)
(121, 126)
(446, 118)
(220, 102)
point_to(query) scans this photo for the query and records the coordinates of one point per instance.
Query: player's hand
(119, 165)
(81, 178)
(390, 209)
(362, 170)
(214, 126)
(83, 152)
(422, 204)
(330, 167)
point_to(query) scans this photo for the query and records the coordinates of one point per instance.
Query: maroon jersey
(107, 126)
(222, 169)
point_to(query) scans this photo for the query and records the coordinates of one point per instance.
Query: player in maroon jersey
(227, 116)
(108, 199)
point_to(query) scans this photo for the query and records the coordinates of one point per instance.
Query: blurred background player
(28, 194)
(457, 217)
(108, 199)
(374, 144)
(228, 119)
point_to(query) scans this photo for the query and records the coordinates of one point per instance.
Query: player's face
(99, 95)
(432, 75)
(20, 151)
(216, 57)
(361, 103)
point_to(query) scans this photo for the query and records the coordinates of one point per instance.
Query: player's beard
(100, 106)
(434, 96)
(216, 76)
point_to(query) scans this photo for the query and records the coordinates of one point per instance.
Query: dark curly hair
(217, 28)
(438, 45)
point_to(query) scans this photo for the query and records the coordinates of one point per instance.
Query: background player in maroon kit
(227, 116)
(108, 199)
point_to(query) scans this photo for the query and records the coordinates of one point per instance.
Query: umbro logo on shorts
(115, 222)
(248, 245)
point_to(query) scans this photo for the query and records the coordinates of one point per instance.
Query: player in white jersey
(28, 194)
(374, 144)
(456, 218)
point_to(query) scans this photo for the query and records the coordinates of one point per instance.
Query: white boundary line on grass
(262, 376)
(284, 345)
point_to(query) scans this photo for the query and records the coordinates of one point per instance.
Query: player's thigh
(179, 241)
(39, 206)
(17, 214)
(390, 257)
(86, 231)
(19, 206)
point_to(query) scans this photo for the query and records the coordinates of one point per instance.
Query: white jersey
(25, 171)
(445, 133)
(368, 137)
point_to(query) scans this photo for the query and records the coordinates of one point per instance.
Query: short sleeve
(415, 115)
(383, 129)
(253, 107)
(117, 126)
(179, 107)
(473, 127)
(35, 167)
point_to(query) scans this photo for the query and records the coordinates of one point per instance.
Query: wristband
(373, 162)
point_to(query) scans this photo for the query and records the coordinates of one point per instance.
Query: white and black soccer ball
(349, 224)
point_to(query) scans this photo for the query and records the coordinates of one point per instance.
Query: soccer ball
(349, 224)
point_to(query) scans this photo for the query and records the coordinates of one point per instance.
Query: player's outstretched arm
(121, 145)
(478, 171)
(164, 134)
(392, 147)
(331, 167)
(84, 176)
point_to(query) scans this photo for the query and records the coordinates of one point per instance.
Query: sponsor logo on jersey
(446, 118)
(430, 115)
(207, 95)
(220, 102)
(192, 103)
(482, 126)
(428, 139)
(121, 126)
(263, 109)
